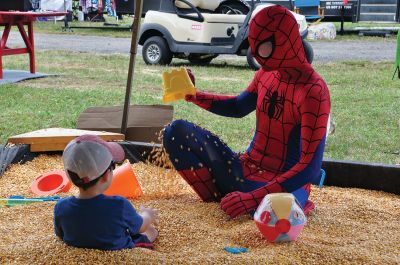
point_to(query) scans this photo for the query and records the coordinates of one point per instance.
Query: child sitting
(93, 220)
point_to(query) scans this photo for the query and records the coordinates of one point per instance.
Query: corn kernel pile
(350, 226)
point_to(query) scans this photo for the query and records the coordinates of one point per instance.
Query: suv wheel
(252, 61)
(156, 51)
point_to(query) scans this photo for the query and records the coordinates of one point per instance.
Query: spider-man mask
(275, 40)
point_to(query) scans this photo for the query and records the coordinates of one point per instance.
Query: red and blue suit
(292, 107)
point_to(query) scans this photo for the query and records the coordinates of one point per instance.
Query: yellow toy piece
(281, 203)
(177, 85)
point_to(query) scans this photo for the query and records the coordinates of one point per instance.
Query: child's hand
(151, 212)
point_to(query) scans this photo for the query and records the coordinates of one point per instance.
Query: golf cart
(200, 30)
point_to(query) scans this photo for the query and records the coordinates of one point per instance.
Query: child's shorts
(142, 241)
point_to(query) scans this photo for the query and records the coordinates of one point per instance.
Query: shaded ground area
(350, 226)
(380, 49)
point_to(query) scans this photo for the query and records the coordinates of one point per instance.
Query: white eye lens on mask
(264, 49)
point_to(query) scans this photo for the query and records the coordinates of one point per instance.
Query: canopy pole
(132, 60)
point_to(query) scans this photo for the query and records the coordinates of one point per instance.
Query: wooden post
(132, 59)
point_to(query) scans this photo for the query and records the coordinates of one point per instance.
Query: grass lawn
(365, 101)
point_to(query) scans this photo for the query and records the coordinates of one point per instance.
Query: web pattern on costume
(292, 108)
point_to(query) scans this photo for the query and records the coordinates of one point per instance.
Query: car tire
(252, 61)
(308, 50)
(156, 51)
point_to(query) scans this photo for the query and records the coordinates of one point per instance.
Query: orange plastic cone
(124, 183)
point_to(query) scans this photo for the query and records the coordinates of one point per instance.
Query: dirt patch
(71, 82)
(151, 88)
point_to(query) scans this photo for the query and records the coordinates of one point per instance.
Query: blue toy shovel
(20, 200)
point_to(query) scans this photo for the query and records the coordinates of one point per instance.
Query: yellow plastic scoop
(177, 85)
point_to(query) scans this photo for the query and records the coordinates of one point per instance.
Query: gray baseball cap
(89, 156)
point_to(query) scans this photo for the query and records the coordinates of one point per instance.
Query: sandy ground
(350, 226)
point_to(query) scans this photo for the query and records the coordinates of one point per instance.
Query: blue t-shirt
(102, 222)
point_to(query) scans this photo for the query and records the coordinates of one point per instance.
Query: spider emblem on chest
(273, 104)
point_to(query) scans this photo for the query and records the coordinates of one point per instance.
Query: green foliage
(365, 101)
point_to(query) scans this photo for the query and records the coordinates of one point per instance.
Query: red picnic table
(20, 19)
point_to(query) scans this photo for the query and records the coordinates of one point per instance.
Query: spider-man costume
(292, 107)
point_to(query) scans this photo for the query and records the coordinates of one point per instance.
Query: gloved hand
(238, 203)
(191, 76)
(190, 98)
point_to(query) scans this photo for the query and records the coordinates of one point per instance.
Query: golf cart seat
(203, 4)
(223, 18)
(211, 5)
